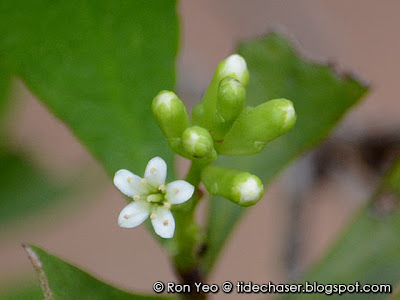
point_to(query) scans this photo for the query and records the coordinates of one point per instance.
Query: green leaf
(5, 83)
(22, 291)
(369, 250)
(25, 190)
(320, 98)
(97, 65)
(65, 281)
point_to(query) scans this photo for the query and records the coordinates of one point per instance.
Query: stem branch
(188, 234)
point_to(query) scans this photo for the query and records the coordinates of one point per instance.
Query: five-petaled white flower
(152, 197)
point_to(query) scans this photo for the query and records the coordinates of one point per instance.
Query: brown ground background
(358, 35)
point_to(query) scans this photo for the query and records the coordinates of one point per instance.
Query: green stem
(193, 176)
(188, 234)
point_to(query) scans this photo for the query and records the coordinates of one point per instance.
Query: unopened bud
(197, 142)
(230, 102)
(240, 187)
(171, 116)
(233, 66)
(257, 126)
(231, 98)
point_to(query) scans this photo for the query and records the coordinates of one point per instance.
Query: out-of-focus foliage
(320, 97)
(5, 82)
(369, 251)
(97, 65)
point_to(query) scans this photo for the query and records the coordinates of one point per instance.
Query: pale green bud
(233, 66)
(240, 187)
(230, 99)
(197, 143)
(230, 102)
(257, 126)
(171, 116)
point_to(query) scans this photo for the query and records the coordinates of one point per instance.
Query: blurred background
(302, 212)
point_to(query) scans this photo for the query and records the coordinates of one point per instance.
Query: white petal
(128, 183)
(163, 223)
(134, 214)
(178, 191)
(156, 171)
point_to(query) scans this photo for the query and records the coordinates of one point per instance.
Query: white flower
(151, 197)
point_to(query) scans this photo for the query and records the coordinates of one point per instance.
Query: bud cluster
(223, 124)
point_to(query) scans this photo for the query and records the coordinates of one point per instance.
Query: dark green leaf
(320, 98)
(66, 281)
(97, 65)
(369, 251)
(5, 82)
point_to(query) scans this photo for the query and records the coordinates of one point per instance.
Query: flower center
(155, 198)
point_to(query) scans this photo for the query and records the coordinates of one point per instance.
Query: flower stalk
(188, 235)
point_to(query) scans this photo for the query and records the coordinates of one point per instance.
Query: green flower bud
(197, 143)
(231, 98)
(257, 126)
(230, 102)
(171, 116)
(233, 66)
(240, 187)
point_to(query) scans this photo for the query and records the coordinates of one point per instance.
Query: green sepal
(257, 126)
(237, 186)
(233, 66)
(197, 143)
(171, 116)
